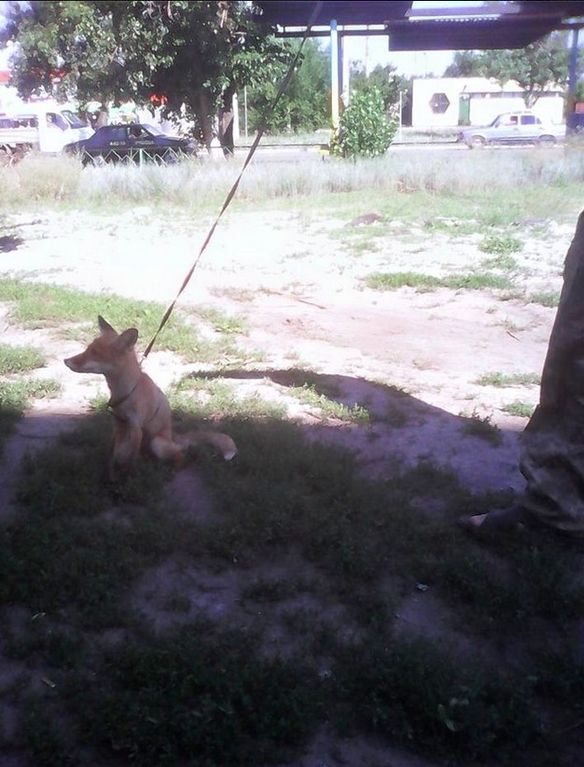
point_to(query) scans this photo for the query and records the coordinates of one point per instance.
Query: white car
(512, 128)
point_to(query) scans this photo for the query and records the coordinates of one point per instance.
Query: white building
(450, 101)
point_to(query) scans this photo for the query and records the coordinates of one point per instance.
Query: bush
(364, 130)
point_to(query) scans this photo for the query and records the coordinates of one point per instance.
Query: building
(444, 102)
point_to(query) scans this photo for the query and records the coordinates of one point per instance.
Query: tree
(465, 64)
(537, 68)
(383, 80)
(305, 103)
(193, 53)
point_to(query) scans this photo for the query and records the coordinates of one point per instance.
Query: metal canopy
(494, 25)
(466, 34)
(297, 12)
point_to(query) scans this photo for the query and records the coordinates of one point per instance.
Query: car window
(55, 120)
(115, 133)
(73, 119)
(139, 132)
(529, 120)
(153, 130)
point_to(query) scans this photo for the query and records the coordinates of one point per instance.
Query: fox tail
(221, 442)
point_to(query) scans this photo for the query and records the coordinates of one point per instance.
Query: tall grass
(205, 183)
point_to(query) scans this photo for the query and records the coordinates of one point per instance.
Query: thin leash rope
(263, 125)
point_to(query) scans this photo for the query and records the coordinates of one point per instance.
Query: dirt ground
(303, 298)
(299, 286)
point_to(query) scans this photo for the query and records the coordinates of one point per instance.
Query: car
(132, 143)
(512, 128)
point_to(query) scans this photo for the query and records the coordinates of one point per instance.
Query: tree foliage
(364, 130)
(537, 68)
(465, 64)
(383, 79)
(305, 104)
(192, 53)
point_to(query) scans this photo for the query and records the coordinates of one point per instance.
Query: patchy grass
(75, 551)
(471, 281)
(482, 427)
(500, 244)
(519, 409)
(15, 396)
(329, 408)
(206, 398)
(36, 305)
(502, 380)
(20, 359)
(550, 299)
(504, 262)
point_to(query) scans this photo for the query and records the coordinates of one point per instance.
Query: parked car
(512, 128)
(44, 127)
(131, 143)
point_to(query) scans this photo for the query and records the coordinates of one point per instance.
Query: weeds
(500, 245)
(472, 281)
(328, 407)
(37, 305)
(504, 262)
(502, 380)
(203, 185)
(15, 397)
(482, 427)
(519, 409)
(549, 299)
(19, 359)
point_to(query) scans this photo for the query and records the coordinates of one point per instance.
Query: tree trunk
(203, 114)
(226, 118)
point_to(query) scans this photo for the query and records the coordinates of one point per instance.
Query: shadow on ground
(311, 597)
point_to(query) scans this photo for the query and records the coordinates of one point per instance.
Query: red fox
(142, 414)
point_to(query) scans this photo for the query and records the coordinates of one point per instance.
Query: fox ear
(104, 326)
(127, 339)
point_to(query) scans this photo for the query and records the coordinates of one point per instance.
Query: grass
(519, 409)
(482, 427)
(253, 654)
(15, 396)
(517, 178)
(35, 305)
(20, 359)
(206, 684)
(500, 244)
(471, 281)
(503, 261)
(502, 380)
(329, 408)
(549, 299)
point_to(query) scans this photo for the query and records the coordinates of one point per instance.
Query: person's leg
(495, 521)
(552, 459)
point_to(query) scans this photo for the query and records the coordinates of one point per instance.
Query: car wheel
(547, 140)
(478, 142)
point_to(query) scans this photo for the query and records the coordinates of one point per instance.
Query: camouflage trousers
(552, 459)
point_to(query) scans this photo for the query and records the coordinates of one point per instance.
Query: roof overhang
(295, 13)
(491, 26)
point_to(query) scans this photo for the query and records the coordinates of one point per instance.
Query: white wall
(487, 100)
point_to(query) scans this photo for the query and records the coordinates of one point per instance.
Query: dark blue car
(132, 144)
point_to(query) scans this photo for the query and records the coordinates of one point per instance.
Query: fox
(141, 412)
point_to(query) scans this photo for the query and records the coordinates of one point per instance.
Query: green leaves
(364, 130)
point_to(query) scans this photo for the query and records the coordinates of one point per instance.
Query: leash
(261, 130)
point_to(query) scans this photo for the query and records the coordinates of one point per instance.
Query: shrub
(364, 130)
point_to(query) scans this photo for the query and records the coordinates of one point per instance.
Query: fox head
(107, 352)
